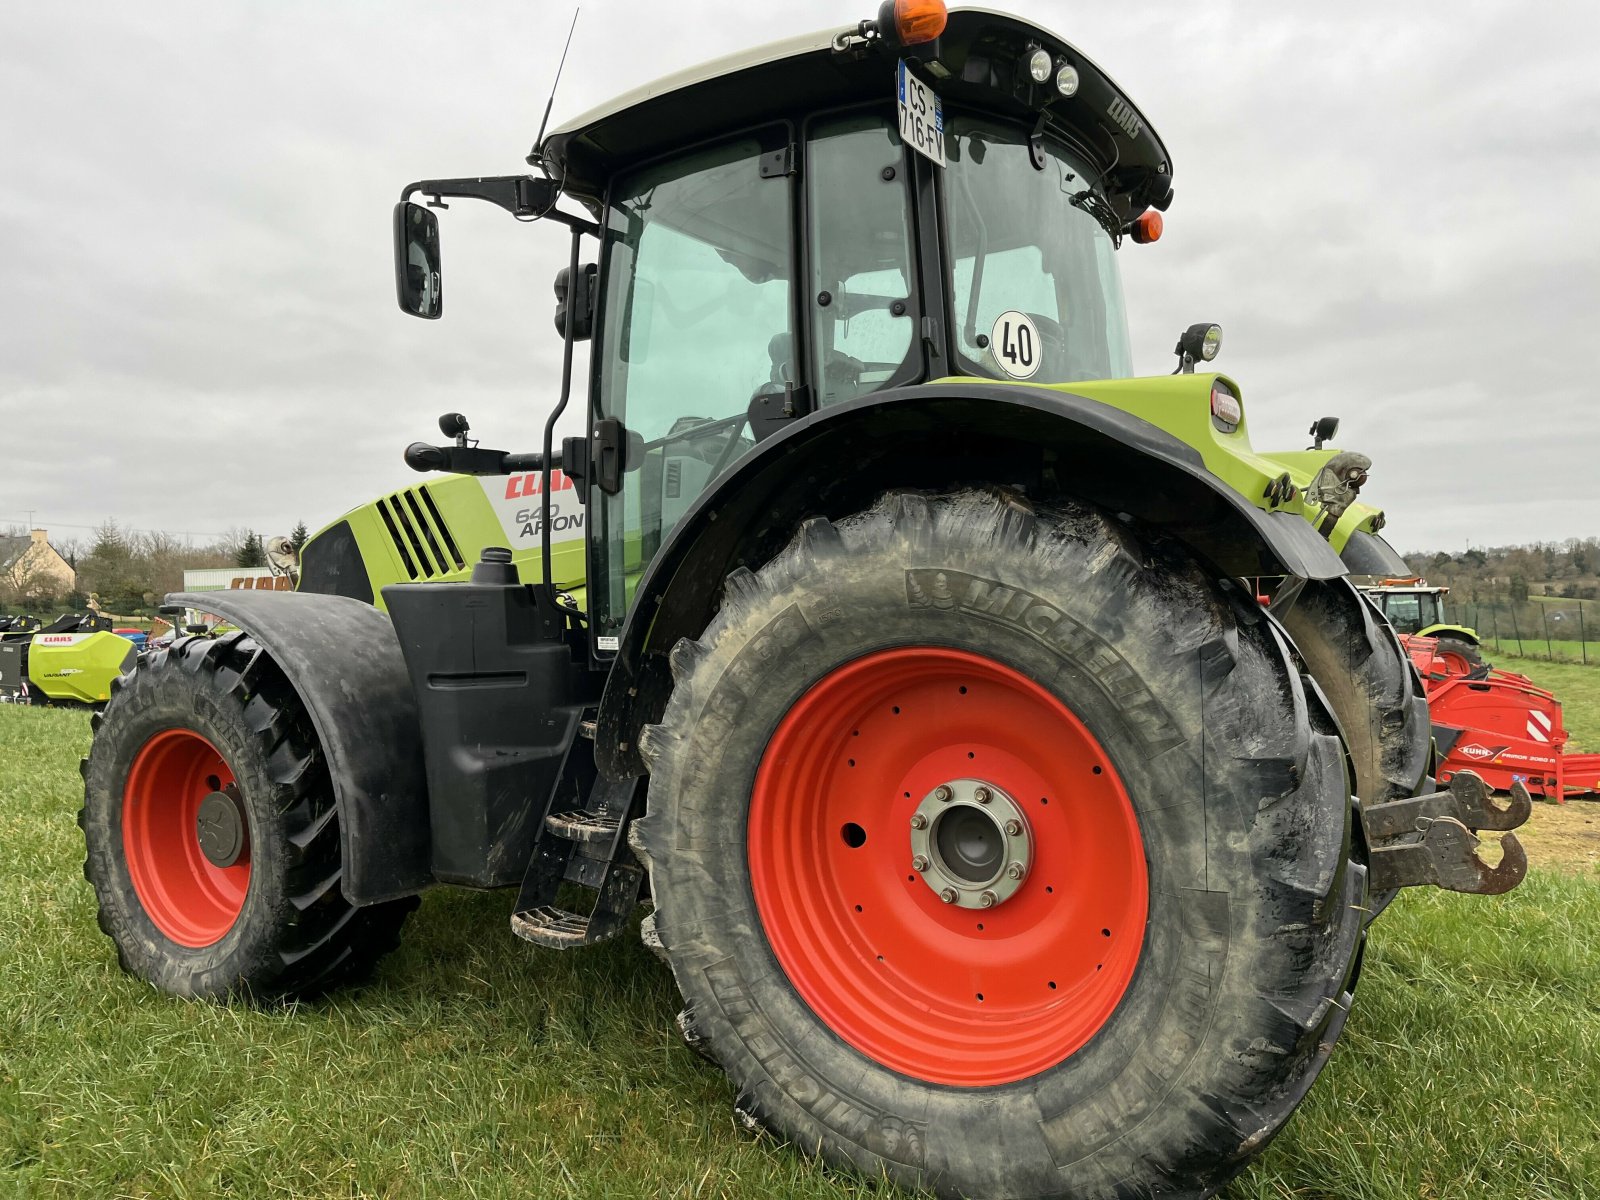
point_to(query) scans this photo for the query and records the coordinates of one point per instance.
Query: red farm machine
(997, 839)
(1501, 726)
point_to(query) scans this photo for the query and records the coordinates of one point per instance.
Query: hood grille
(421, 538)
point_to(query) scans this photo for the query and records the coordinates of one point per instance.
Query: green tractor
(1413, 607)
(984, 727)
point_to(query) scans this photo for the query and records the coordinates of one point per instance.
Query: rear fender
(343, 660)
(836, 461)
(1459, 632)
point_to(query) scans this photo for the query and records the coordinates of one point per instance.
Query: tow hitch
(1446, 854)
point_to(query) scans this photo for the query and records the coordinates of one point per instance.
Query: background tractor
(997, 836)
(1415, 608)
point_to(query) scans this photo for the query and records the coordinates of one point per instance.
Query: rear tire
(1237, 963)
(1463, 658)
(203, 719)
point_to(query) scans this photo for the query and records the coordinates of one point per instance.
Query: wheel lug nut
(948, 895)
(1013, 827)
(941, 793)
(919, 862)
(1014, 871)
(987, 900)
(982, 795)
(918, 821)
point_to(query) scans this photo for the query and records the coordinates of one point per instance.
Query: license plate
(921, 117)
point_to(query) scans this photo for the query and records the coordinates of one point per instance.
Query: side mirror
(578, 297)
(416, 261)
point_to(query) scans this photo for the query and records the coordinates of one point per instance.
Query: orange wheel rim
(943, 990)
(187, 897)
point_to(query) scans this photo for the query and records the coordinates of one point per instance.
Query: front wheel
(212, 832)
(1044, 844)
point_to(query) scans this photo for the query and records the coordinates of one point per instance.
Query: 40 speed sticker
(1014, 343)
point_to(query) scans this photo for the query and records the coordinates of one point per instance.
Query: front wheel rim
(188, 898)
(935, 987)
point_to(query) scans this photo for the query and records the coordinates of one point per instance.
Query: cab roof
(978, 63)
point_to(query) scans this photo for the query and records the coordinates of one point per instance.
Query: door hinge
(778, 163)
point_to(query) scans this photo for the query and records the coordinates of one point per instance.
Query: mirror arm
(471, 460)
(522, 196)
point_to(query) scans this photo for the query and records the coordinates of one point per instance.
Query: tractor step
(1446, 855)
(584, 825)
(586, 847)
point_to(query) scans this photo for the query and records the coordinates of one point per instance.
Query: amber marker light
(918, 21)
(1147, 227)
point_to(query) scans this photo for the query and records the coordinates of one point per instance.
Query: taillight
(1226, 411)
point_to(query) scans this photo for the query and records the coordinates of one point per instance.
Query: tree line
(129, 570)
(1569, 570)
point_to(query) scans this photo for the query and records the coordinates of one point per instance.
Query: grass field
(476, 1066)
(1572, 651)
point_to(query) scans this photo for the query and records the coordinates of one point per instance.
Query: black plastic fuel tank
(499, 706)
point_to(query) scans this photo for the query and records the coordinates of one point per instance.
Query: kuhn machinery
(1501, 726)
(998, 840)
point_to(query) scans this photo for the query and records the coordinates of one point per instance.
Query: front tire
(1145, 1009)
(212, 833)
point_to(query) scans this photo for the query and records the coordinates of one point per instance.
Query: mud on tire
(279, 928)
(1250, 943)
(1369, 681)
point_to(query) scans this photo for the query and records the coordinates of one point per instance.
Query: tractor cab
(1411, 606)
(811, 223)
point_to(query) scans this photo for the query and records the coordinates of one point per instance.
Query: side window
(698, 319)
(861, 256)
(700, 259)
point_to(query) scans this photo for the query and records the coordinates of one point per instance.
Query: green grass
(476, 1066)
(1535, 647)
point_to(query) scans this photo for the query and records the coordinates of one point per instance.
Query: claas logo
(528, 485)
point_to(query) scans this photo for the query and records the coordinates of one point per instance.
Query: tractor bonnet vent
(420, 535)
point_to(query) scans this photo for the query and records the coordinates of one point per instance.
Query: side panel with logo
(78, 666)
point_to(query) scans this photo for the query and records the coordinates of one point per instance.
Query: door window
(698, 319)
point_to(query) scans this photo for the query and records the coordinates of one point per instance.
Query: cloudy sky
(1390, 208)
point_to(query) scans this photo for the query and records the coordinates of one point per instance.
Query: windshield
(1021, 241)
(1404, 610)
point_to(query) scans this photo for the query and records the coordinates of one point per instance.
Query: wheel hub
(971, 843)
(220, 826)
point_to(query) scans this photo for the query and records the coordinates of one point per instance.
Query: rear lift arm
(1446, 855)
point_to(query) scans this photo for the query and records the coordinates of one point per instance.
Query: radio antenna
(536, 155)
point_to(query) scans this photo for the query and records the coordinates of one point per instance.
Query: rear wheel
(212, 832)
(1461, 657)
(1044, 843)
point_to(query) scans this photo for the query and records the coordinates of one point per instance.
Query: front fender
(836, 461)
(343, 660)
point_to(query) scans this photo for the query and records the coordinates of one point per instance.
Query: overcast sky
(1390, 208)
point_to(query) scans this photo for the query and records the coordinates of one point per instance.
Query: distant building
(222, 579)
(31, 568)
